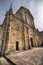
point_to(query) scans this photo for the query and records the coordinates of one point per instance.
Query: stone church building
(18, 31)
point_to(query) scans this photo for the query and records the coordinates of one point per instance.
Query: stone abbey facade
(18, 31)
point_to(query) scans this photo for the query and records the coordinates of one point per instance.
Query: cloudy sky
(35, 7)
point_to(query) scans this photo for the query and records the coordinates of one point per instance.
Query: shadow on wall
(41, 44)
(0, 54)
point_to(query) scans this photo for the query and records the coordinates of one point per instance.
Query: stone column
(26, 37)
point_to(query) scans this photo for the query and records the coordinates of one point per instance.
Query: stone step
(4, 62)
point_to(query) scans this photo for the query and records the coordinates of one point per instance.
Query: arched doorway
(32, 44)
(17, 45)
(42, 44)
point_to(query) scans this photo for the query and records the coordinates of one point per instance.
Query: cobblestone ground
(3, 61)
(30, 57)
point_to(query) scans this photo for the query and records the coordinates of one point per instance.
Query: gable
(25, 15)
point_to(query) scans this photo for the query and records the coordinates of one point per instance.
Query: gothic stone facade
(19, 32)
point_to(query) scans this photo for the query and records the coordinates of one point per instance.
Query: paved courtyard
(33, 56)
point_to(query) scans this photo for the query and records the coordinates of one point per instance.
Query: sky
(35, 7)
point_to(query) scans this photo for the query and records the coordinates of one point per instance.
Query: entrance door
(17, 45)
(32, 44)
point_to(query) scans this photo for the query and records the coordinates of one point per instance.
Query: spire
(11, 8)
